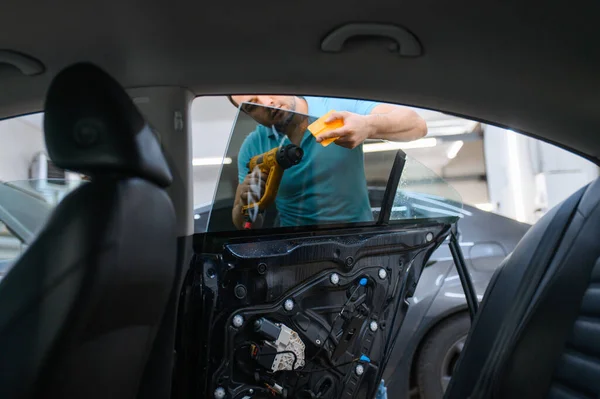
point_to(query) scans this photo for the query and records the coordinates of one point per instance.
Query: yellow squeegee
(319, 127)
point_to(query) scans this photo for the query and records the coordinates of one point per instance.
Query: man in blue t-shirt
(329, 185)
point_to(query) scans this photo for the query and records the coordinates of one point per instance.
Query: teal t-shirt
(329, 185)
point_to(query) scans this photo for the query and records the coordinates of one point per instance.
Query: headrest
(93, 127)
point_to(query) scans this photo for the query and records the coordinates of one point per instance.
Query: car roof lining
(532, 69)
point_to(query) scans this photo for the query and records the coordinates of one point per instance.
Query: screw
(250, 391)
(382, 274)
(359, 369)
(219, 393)
(257, 324)
(262, 268)
(238, 321)
(429, 237)
(240, 291)
(373, 326)
(318, 342)
(335, 279)
(349, 261)
(288, 305)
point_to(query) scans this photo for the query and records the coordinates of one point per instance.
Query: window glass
(310, 184)
(422, 194)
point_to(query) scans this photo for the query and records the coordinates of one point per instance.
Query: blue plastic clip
(365, 359)
(363, 281)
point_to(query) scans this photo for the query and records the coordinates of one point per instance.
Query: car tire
(439, 353)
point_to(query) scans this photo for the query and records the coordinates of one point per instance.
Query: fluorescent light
(450, 127)
(211, 161)
(454, 149)
(486, 206)
(514, 168)
(447, 130)
(391, 145)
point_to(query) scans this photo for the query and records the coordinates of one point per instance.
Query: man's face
(275, 115)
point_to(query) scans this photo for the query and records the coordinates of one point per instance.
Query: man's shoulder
(322, 105)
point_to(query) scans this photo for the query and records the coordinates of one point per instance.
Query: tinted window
(328, 185)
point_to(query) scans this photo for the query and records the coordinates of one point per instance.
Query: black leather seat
(537, 332)
(80, 309)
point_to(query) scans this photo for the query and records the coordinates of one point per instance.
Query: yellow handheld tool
(272, 162)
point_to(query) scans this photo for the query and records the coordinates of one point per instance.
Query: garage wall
(212, 120)
(528, 177)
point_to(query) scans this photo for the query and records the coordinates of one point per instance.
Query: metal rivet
(359, 369)
(238, 321)
(219, 393)
(288, 305)
(240, 291)
(382, 274)
(349, 261)
(335, 279)
(429, 237)
(318, 342)
(373, 326)
(262, 268)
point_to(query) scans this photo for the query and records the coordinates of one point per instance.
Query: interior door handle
(27, 65)
(407, 43)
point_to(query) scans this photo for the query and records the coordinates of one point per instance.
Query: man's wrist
(373, 122)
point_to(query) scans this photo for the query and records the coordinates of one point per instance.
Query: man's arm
(385, 122)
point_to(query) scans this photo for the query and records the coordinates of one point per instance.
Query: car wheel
(439, 355)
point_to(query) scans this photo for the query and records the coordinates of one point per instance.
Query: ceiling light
(390, 145)
(447, 122)
(486, 206)
(211, 161)
(449, 128)
(454, 149)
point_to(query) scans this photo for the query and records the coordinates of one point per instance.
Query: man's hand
(248, 191)
(385, 122)
(252, 188)
(357, 128)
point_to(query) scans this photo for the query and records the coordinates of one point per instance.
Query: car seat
(79, 311)
(537, 332)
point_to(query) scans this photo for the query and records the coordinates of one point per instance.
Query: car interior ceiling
(507, 64)
(514, 65)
